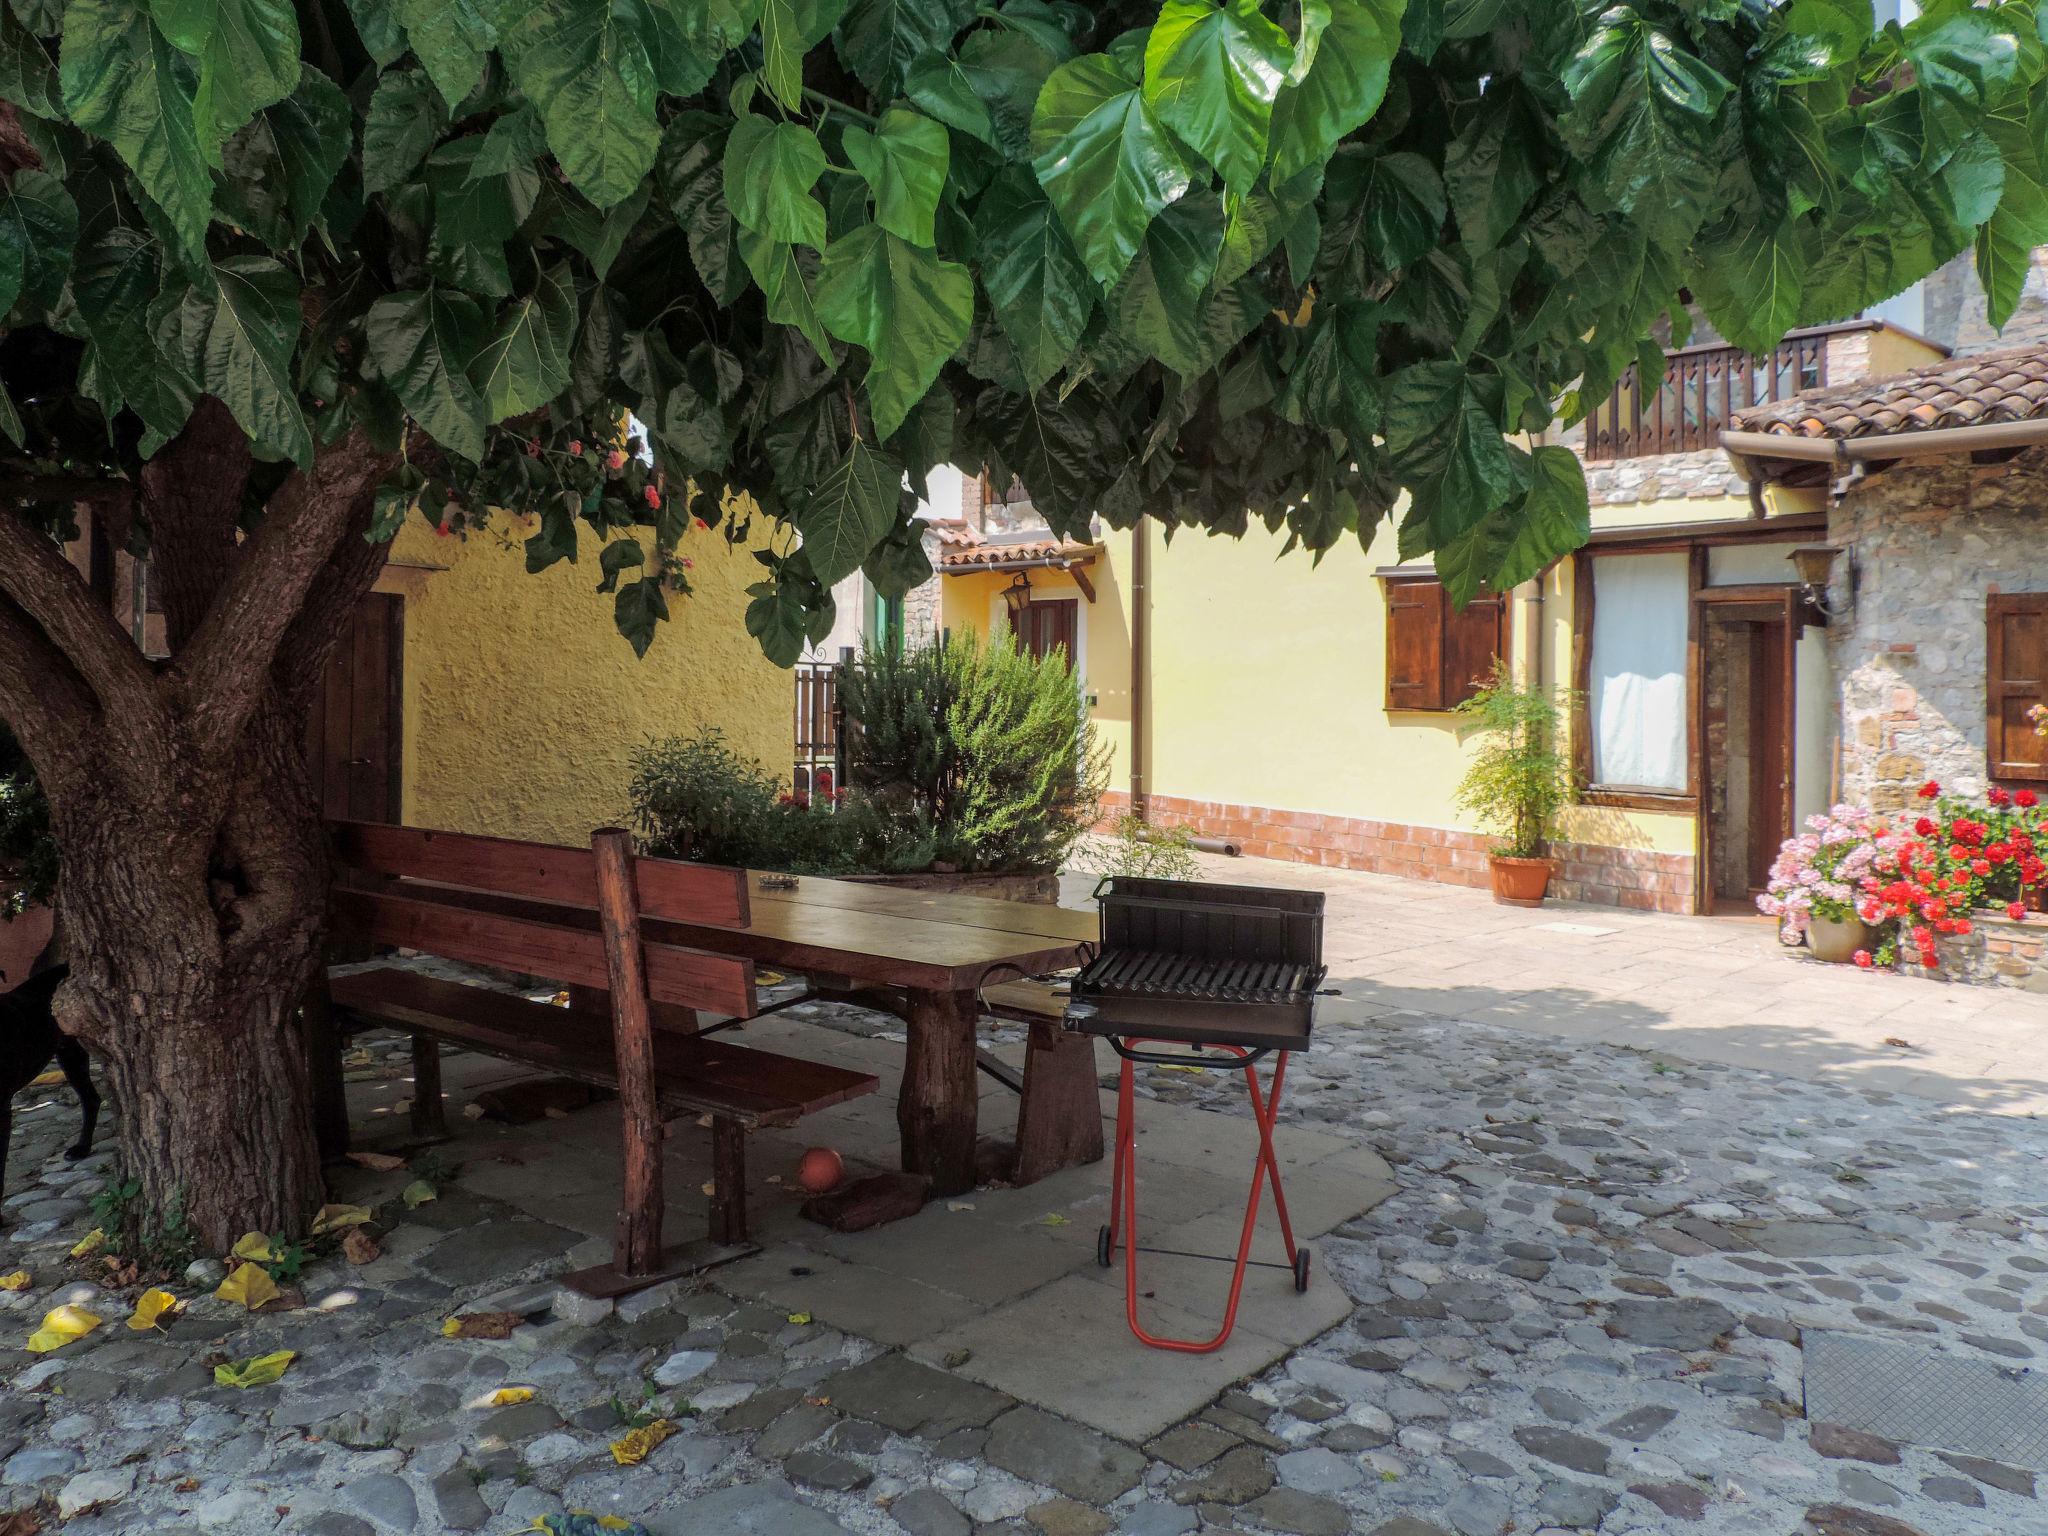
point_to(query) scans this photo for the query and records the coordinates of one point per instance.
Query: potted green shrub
(1519, 779)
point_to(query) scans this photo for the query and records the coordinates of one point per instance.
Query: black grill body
(1203, 964)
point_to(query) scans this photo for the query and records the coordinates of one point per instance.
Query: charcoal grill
(1226, 975)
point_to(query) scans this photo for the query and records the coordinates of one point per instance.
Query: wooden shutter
(1472, 640)
(2017, 679)
(1415, 645)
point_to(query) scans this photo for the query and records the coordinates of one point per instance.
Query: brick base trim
(1615, 877)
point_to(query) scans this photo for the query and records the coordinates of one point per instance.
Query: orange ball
(821, 1170)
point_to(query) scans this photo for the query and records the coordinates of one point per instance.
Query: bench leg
(427, 1118)
(1059, 1122)
(728, 1181)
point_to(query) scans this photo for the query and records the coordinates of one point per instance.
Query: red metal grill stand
(1123, 1199)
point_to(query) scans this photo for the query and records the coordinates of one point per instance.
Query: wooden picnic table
(923, 956)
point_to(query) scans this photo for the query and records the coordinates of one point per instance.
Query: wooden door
(1046, 625)
(2016, 672)
(354, 740)
(1747, 654)
(1770, 734)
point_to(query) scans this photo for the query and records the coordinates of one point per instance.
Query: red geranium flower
(1923, 938)
(1998, 796)
(1962, 925)
(1862, 958)
(1981, 866)
(1924, 826)
(1929, 790)
(1929, 959)
(2025, 799)
(2016, 911)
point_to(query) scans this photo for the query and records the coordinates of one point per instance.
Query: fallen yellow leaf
(259, 1371)
(505, 1397)
(1052, 1219)
(153, 1309)
(631, 1448)
(252, 1245)
(250, 1284)
(417, 1194)
(332, 1218)
(614, 1523)
(799, 1318)
(18, 1281)
(92, 1240)
(60, 1326)
(376, 1162)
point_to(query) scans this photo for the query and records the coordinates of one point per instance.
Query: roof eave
(1766, 456)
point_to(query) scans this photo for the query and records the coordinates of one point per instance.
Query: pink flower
(575, 447)
(533, 447)
(651, 496)
(616, 459)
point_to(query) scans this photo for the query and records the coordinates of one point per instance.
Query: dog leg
(78, 1073)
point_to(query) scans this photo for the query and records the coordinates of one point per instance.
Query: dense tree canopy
(1204, 262)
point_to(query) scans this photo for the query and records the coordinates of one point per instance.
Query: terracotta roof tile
(1988, 388)
(981, 554)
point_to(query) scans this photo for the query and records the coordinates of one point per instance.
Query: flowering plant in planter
(1824, 870)
(1960, 856)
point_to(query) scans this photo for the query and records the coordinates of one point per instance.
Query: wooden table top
(883, 935)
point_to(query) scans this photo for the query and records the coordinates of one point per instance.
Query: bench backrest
(444, 883)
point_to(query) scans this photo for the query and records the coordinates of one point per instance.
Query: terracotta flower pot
(1520, 882)
(1836, 939)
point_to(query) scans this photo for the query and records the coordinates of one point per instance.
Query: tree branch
(337, 592)
(17, 153)
(42, 698)
(225, 670)
(64, 490)
(34, 572)
(192, 495)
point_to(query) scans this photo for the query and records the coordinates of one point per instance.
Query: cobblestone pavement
(1584, 1309)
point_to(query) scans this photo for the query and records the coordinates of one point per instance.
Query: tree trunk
(191, 941)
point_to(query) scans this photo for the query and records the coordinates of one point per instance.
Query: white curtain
(1636, 694)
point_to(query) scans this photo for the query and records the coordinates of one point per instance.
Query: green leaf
(640, 606)
(770, 169)
(248, 53)
(513, 142)
(904, 164)
(789, 30)
(280, 165)
(788, 277)
(238, 343)
(452, 39)
(1343, 83)
(908, 308)
(1105, 160)
(1444, 436)
(1972, 180)
(1212, 73)
(1644, 117)
(879, 38)
(1520, 540)
(125, 82)
(585, 65)
(898, 564)
(1381, 212)
(28, 70)
(1035, 278)
(38, 226)
(117, 281)
(404, 120)
(1752, 289)
(525, 364)
(377, 26)
(1006, 71)
(1492, 169)
(850, 512)
(1960, 61)
(1161, 302)
(555, 539)
(616, 558)
(937, 84)
(423, 343)
(2005, 245)
(778, 620)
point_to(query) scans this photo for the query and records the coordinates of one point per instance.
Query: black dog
(29, 1037)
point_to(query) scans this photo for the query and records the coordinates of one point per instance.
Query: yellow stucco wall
(522, 702)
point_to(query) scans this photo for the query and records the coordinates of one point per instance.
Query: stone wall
(1955, 309)
(1929, 542)
(1615, 877)
(1996, 952)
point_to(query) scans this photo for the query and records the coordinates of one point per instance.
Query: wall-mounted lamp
(1017, 595)
(1815, 564)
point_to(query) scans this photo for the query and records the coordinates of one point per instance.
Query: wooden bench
(573, 915)
(1059, 1070)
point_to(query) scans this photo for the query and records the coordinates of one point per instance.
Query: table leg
(1059, 1122)
(936, 1109)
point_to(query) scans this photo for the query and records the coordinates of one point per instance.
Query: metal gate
(820, 734)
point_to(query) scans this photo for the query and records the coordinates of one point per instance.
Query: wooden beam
(1081, 580)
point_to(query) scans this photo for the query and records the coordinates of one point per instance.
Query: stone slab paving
(1582, 1308)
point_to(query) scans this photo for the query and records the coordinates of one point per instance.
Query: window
(1047, 625)
(2016, 673)
(1635, 677)
(1438, 657)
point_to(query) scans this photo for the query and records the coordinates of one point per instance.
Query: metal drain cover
(1920, 1396)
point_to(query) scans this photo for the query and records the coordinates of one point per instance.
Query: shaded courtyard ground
(1607, 1198)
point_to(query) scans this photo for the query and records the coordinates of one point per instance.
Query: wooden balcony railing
(1701, 388)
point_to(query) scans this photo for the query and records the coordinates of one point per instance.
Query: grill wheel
(1105, 1246)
